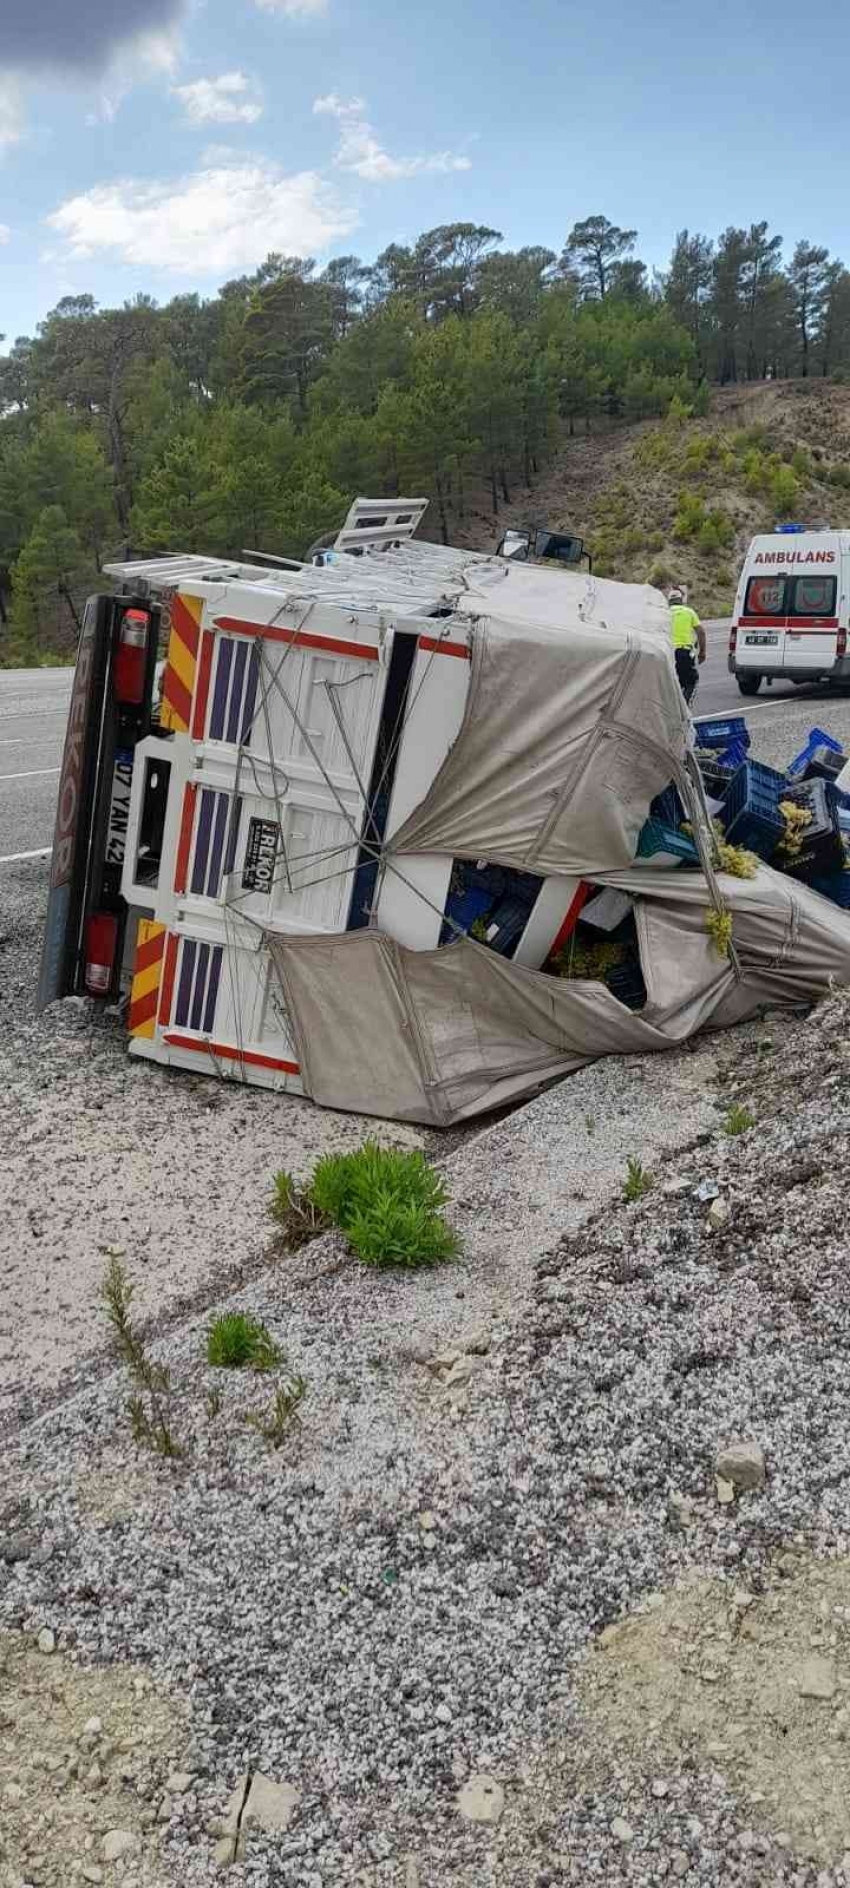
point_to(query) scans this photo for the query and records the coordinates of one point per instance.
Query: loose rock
(816, 1678)
(482, 1799)
(119, 1842)
(742, 1464)
(270, 1805)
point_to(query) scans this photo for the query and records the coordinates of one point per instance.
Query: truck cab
(792, 609)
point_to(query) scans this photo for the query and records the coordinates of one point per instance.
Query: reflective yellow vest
(683, 626)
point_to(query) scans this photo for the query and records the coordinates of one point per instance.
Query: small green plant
(296, 1215)
(149, 1406)
(387, 1202)
(237, 1340)
(784, 490)
(478, 930)
(690, 517)
(275, 1425)
(638, 1180)
(738, 1119)
(719, 927)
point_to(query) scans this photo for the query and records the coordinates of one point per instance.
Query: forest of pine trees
(450, 367)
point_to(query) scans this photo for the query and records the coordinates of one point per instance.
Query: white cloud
(5, 233)
(151, 56)
(294, 9)
(11, 113)
(361, 152)
(159, 52)
(229, 100)
(216, 220)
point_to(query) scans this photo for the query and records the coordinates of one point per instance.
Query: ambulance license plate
(119, 806)
(762, 640)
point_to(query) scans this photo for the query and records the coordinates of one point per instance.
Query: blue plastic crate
(735, 754)
(718, 733)
(667, 807)
(751, 813)
(817, 738)
(656, 837)
(626, 982)
(716, 777)
(835, 886)
(464, 907)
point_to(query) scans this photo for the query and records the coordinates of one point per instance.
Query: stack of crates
(751, 815)
(723, 744)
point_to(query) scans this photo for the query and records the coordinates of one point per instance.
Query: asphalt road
(33, 712)
(718, 692)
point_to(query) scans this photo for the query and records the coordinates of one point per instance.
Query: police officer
(687, 636)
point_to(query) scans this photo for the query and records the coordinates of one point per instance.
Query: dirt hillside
(681, 498)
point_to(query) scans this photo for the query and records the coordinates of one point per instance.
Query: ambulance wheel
(748, 684)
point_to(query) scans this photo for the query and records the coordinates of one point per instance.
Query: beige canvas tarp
(574, 722)
(567, 738)
(437, 1036)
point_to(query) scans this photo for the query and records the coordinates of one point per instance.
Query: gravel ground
(104, 1152)
(497, 1463)
(486, 1616)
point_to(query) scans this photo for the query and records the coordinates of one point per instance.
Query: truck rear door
(109, 714)
(761, 624)
(789, 624)
(811, 623)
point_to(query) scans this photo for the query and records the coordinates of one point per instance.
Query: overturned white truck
(357, 846)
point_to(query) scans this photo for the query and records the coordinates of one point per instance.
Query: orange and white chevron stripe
(147, 977)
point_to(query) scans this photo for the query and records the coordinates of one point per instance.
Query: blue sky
(168, 144)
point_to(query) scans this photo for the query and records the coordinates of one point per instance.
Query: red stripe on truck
(444, 648)
(299, 637)
(228, 1053)
(168, 981)
(184, 843)
(568, 925)
(202, 686)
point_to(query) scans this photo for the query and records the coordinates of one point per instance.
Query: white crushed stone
(103, 1153)
(289, 1596)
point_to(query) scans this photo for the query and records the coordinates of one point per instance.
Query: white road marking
(33, 740)
(38, 773)
(14, 858)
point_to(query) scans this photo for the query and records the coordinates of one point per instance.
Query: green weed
(283, 1416)
(388, 1204)
(738, 1119)
(148, 1407)
(638, 1180)
(236, 1341)
(294, 1212)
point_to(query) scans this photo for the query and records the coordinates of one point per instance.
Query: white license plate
(763, 641)
(119, 807)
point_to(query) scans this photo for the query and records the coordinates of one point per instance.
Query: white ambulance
(792, 610)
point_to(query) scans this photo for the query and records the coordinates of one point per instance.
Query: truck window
(765, 596)
(812, 596)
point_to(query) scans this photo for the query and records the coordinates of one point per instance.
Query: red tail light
(101, 945)
(841, 643)
(733, 639)
(131, 657)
